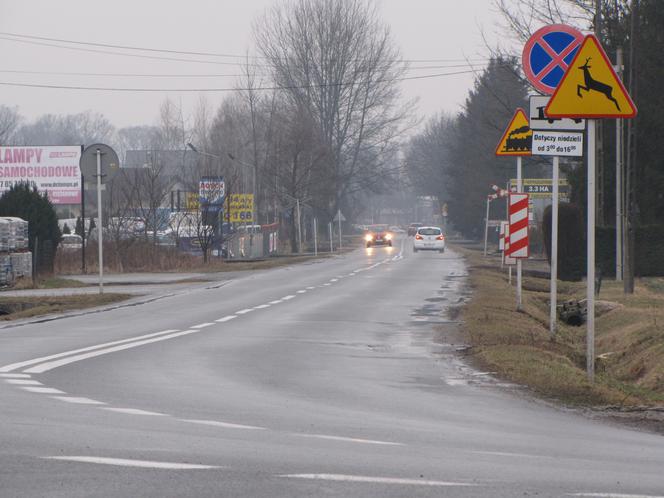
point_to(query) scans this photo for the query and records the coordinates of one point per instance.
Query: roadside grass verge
(14, 308)
(48, 283)
(517, 345)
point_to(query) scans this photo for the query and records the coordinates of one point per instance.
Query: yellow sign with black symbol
(590, 88)
(518, 137)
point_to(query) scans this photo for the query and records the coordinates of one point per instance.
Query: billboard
(211, 190)
(241, 208)
(52, 169)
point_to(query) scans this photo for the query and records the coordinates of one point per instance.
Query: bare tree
(335, 59)
(9, 122)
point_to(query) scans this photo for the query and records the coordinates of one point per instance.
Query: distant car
(71, 242)
(429, 239)
(378, 235)
(412, 228)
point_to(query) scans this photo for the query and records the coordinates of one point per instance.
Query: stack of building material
(21, 263)
(18, 234)
(5, 230)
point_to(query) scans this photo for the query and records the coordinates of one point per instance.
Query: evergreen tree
(28, 203)
(66, 230)
(78, 230)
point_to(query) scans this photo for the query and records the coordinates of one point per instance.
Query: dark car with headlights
(378, 235)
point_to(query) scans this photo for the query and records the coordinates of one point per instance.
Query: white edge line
(45, 367)
(351, 439)
(14, 366)
(614, 495)
(43, 390)
(123, 462)
(134, 411)
(225, 425)
(226, 318)
(377, 480)
(78, 400)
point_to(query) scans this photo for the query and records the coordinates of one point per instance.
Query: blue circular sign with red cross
(548, 54)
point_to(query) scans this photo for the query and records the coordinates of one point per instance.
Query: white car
(429, 239)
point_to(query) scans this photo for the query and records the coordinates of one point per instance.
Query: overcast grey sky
(423, 29)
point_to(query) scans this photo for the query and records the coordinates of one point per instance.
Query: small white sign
(539, 121)
(557, 143)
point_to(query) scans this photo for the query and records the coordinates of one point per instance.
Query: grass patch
(14, 308)
(629, 337)
(48, 283)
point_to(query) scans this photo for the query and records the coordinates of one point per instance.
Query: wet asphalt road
(331, 378)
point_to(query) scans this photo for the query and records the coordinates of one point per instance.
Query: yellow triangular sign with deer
(518, 137)
(590, 88)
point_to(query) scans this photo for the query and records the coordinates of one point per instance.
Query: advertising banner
(211, 190)
(241, 208)
(52, 169)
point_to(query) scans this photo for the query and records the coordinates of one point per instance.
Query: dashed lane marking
(23, 382)
(123, 462)
(134, 411)
(14, 376)
(288, 297)
(375, 480)
(350, 439)
(78, 400)
(334, 280)
(301, 291)
(43, 390)
(244, 311)
(261, 306)
(311, 288)
(226, 318)
(278, 301)
(15, 366)
(45, 367)
(614, 495)
(202, 325)
(225, 425)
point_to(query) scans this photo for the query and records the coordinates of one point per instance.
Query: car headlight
(368, 237)
(388, 236)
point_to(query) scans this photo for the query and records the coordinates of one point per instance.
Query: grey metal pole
(590, 271)
(519, 279)
(486, 225)
(339, 216)
(315, 238)
(299, 227)
(329, 227)
(100, 231)
(554, 248)
(619, 193)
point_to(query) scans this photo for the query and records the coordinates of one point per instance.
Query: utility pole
(619, 180)
(630, 166)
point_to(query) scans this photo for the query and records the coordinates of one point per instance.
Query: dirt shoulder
(16, 308)
(517, 345)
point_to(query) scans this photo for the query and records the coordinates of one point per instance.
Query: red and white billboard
(52, 169)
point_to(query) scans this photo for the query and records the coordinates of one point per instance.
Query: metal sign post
(100, 231)
(554, 249)
(486, 225)
(590, 236)
(519, 274)
(315, 237)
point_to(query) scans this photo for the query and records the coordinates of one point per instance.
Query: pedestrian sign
(547, 55)
(518, 137)
(591, 88)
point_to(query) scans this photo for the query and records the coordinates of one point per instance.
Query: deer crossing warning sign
(590, 88)
(518, 137)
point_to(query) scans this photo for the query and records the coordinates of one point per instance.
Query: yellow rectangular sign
(241, 208)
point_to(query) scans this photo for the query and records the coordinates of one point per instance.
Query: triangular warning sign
(518, 137)
(590, 88)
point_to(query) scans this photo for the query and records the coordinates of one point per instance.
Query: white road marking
(123, 462)
(15, 376)
(135, 411)
(350, 439)
(226, 318)
(244, 311)
(278, 301)
(261, 306)
(15, 366)
(614, 495)
(23, 382)
(334, 280)
(45, 367)
(301, 291)
(78, 400)
(225, 425)
(43, 390)
(286, 298)
(506, 454)
(202, 325)
(311, 288)
(327, 284)
(375, 480)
